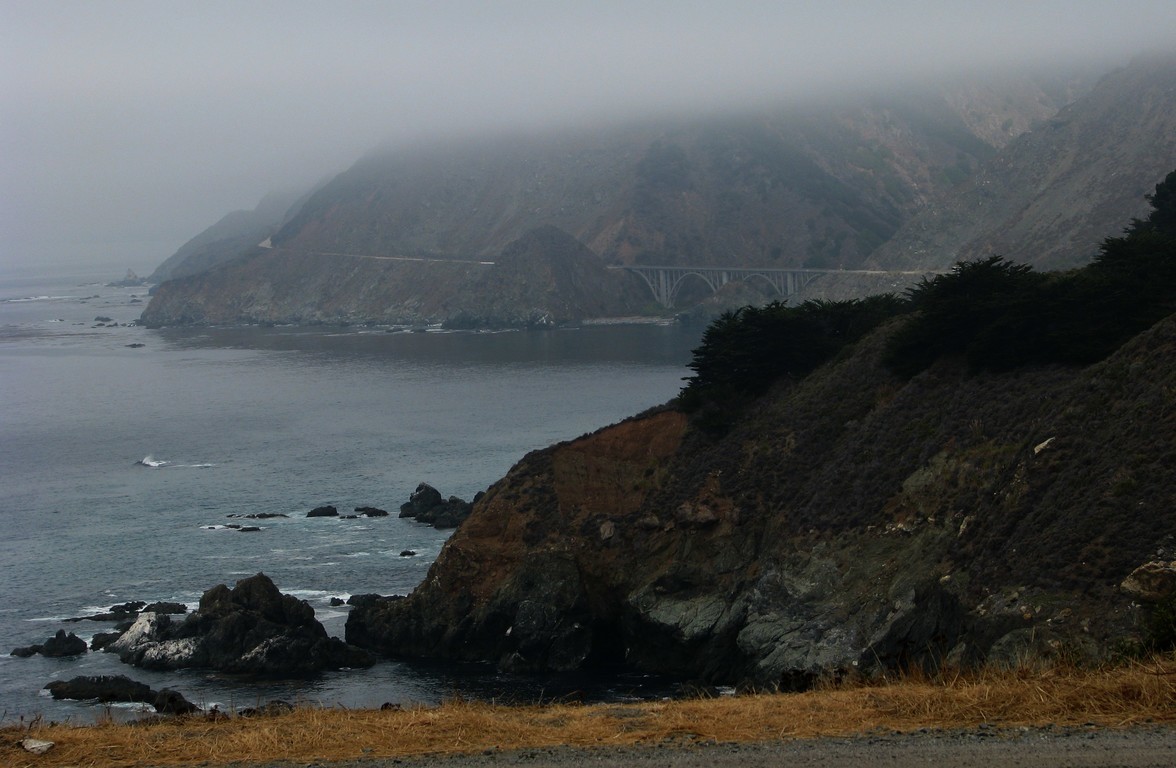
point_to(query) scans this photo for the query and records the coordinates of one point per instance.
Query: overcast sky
(127, 127)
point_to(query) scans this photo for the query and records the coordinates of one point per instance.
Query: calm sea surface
(254, 420)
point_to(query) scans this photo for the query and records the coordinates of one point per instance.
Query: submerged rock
(252, 628)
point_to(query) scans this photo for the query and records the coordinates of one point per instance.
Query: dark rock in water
(349, 517)
(372, 511)
(166, 607)
(136, 345)
(424, 498)
(336, 601)
(103, 319)
(248, 529)
(121, 612)
(251, 629)
(407, 553)
(105, 688)
(258, 515)
(62, 644)
(370, 598)
(324, 511)
(110, 688)
(25, 651)
(103, 639)
(426, 505)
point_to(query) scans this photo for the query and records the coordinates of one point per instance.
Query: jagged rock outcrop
(848, 522)
(251, 628)
(59, 645)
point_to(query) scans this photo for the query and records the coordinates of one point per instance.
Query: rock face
(848, 522)
(426, 505)
(251, 628)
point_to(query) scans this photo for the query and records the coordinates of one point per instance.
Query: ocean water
(120, 466)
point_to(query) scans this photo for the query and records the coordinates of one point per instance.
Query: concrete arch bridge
(665, 282)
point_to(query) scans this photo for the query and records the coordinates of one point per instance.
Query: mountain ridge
(841, 186)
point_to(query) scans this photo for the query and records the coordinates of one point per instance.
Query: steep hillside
(1054, 192)
(545, 278)
(234, 235)
(817, 186)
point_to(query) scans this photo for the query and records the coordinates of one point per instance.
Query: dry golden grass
(1115, 697)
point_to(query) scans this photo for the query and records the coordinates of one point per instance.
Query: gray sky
(127, 127)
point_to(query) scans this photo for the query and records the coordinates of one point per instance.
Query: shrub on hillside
(999, 315)
(745, 351)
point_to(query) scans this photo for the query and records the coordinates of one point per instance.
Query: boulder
(251, 629)
(323, 511)
(426, 505)
(36, 746)
(62, 644)
(1151, 582)
(171, 702)
(25, 651)
(372, 511)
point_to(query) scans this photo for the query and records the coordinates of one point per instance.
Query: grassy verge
(1137, 693)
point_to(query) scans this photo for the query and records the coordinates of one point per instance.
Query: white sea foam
(26, 299)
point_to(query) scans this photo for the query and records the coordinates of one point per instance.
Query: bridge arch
(666, 282)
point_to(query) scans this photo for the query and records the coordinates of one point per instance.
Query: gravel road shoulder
(1139, 747)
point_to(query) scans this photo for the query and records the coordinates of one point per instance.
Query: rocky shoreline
(250, 629)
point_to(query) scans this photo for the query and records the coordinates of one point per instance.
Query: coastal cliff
(848, 521)
(982, 472)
